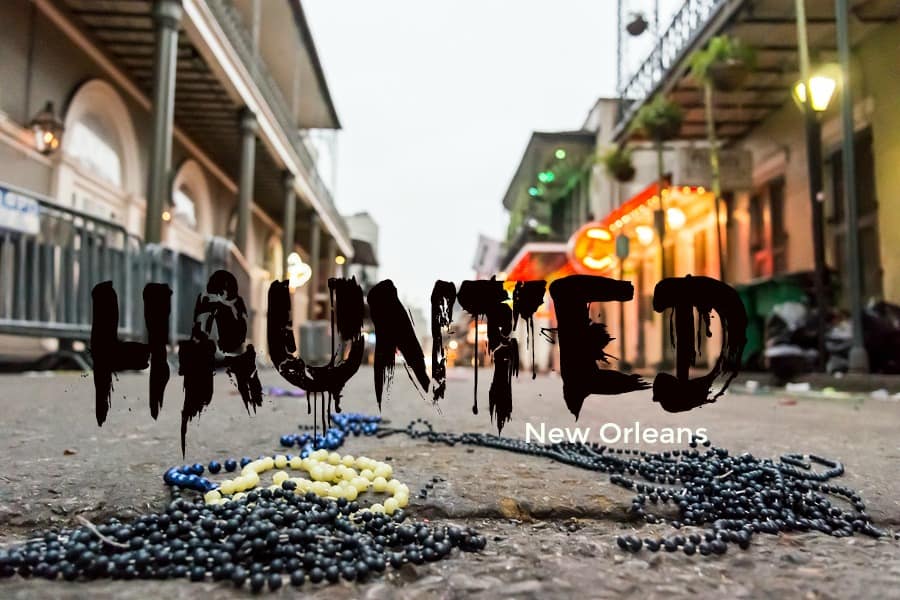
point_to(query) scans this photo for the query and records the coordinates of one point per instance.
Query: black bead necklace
(258, 539)
(732, 497)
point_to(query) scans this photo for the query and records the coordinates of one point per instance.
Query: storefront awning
(635, 202)
(592, 249)
(539, 260)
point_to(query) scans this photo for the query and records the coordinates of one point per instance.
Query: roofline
(577, 134)
(310, 44)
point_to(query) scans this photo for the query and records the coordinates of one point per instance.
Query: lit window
(95, 152)
(184, 208)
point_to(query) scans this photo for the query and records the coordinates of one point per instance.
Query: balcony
(217, 75)
(769, 26)
(239, 36)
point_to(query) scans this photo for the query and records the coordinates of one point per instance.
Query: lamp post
(622, 252)
(813, 95)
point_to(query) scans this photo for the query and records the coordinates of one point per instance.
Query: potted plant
(637, 25)
(660, 119)
(617, 161)
(725, 63)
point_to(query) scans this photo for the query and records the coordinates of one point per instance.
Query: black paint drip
(393, 331)
(582, 342)
(486, 297)
(157, 311)
(317, 380)
(683, 294)
(222, 306)
(443, 296)
(111, 355)
(527, 298)
(505, 354)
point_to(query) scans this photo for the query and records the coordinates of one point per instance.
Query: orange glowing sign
(592, 249)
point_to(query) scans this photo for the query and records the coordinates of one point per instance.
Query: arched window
(190, 213)
(96, 150)
(184, 209)
(99, 167)
(191, 198)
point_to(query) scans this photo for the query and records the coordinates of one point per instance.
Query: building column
(314, 242)
(738, 239)
(333, 268)
(290, 219)
(245, 190)
(166, 18)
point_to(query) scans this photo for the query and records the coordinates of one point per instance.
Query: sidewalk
(551, 529)
(855, 383)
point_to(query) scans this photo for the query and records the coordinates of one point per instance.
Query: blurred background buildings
(609, 200)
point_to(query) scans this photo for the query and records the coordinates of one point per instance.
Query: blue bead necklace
(344, 424)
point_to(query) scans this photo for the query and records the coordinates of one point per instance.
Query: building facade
(364, 233)
(761, 227)
(766, 225)
(186, 129)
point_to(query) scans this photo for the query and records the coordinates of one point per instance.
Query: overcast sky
(438, 99)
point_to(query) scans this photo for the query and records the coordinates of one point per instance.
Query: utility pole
(714, 170)
(816, 193)
(660, 217)
(858, 359)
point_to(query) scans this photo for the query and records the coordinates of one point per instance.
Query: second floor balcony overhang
(769, 27)
(223, 68)
(553, 164)
(550, 158)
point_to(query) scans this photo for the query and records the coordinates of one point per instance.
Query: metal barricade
(46, 276)
(49, 268)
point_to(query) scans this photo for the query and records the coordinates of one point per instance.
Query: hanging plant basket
(725, 63)
(623, 173)
(664, 130)
(728, 75)
(618, 164)
(637, 25)
(660, 119)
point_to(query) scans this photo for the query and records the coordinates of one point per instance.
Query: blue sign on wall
(19, 212)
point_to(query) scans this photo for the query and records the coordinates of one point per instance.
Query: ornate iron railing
(686, 25)
(234, 28)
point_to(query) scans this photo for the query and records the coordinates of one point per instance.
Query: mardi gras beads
(330, 476)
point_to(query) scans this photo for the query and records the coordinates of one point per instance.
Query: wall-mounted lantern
(47, 130)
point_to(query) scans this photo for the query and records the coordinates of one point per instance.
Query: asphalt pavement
(551, 528)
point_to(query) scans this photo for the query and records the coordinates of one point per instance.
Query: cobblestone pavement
(551, 528)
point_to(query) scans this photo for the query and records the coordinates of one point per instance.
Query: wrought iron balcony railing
(232, 24)
(686, 25)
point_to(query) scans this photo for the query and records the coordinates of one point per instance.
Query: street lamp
(822, 86)
(47, 130)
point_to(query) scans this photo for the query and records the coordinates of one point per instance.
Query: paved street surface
(551, 529)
